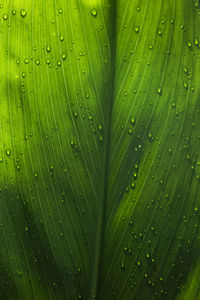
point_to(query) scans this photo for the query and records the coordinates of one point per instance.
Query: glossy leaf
(100, 149)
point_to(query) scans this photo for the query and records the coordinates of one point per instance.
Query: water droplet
(36, 175)
(132, 120)
(100, 127)
(5, 17)
(87, 95)
(185, 85)
(196, 41)
(159, 91)
(60, 11)
(61, 37)
(23, 13)
(137, 29)
(48, 48)
(138, 263)
(123, 265)
(130, 131)
(63, 56)
(94, 12)
(8, 152)
(14, 12)
(132, 185)
(135, 175)
(19, 273)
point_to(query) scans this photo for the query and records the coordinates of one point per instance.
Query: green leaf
(100, 152)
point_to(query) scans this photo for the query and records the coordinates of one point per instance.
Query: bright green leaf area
(100, 149)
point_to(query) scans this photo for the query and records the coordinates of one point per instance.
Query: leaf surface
(100, 154)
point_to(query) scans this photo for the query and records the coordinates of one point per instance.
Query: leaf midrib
(99, 245)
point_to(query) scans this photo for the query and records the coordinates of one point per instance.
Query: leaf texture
(100, 149)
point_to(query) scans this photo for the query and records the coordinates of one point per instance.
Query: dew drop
(137, 29)
(87, 95)
(5, 17)
(138, 263)
(132, 120)
(123, 265)
(130, 131)
(8, 152)
(61, 38)
(196, 41)
(132, 185)
(173, 105)
(147, 255)
(23, 13)
(36, 175)
(63, 56)
(48, 48)
(100, 127)
(159, 91)
(94, 12)
(185, 85)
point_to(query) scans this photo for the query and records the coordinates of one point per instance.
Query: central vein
(99, 247)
